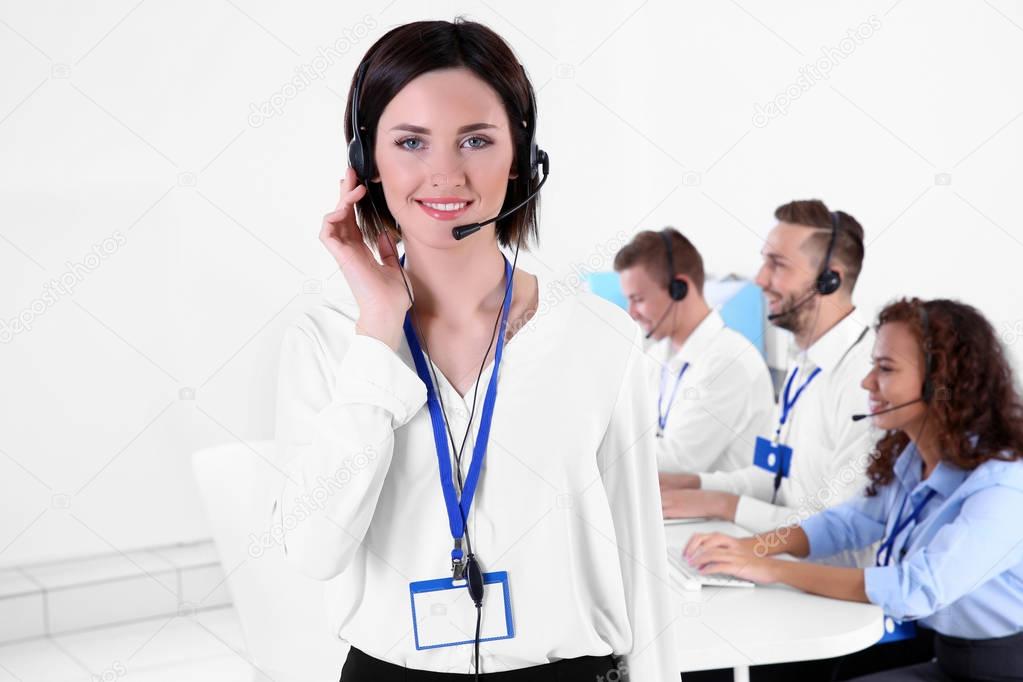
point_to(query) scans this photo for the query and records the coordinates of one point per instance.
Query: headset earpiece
(829, 280)
(360, 158)
(533, 155)
(357, 159)
(677, 288)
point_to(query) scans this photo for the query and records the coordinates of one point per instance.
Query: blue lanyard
(662, 418)
(900, 525)
(458, 509)
(787, 403)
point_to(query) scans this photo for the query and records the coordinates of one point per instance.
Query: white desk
(736, 627)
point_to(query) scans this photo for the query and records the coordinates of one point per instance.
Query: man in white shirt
(713, 387)
(813, 455)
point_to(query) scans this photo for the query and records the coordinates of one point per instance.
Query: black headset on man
(828, 279)
(677, 288)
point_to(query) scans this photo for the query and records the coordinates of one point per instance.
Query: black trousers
(361, 667)
(978, 660)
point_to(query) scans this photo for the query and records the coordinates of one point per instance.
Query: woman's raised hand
(379, 288)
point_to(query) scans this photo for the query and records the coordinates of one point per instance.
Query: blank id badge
(769, 456)
(443, 613)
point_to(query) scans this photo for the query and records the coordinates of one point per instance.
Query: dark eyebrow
(426, 131)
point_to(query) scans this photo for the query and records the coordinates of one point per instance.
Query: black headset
(677, 288)
(829, 280)
(360, 156)
(925, 323)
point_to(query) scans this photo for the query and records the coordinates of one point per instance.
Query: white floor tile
(22, 617)
(115, 601)
(204, 586)
(159, 642)
(218, 669)
(14, 582)
(39, 661)
(205, 647)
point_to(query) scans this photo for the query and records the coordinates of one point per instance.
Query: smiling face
(648, 299)
(897, 377)
(444, 154)
(788, 274)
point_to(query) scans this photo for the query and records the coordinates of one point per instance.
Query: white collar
(827, 351)
(698, 341)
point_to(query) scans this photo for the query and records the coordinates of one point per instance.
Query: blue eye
(410, 143)
(483, 142)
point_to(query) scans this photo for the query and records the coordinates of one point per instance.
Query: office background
(166, 166)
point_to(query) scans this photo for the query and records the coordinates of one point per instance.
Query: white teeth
(445, 207)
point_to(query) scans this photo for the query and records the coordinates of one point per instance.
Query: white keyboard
(688, 575)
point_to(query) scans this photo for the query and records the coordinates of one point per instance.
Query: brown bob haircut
(410, 50)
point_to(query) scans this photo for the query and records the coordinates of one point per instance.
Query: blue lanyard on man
(788, 403)
(458, 508)
(662, 417)
(774, 456)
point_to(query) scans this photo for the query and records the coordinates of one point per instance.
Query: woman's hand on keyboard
(719, 553)
(700, 542)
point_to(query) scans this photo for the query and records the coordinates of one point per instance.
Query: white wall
(132, 123)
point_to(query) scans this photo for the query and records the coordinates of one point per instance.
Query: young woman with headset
(944, 501)
(522, 540)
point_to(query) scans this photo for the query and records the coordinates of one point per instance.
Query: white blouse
(568, 502)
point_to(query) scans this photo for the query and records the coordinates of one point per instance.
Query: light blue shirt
(962, 574)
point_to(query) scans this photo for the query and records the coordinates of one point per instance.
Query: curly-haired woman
(945, 500)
